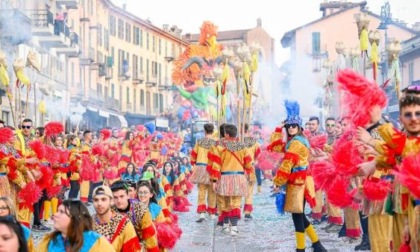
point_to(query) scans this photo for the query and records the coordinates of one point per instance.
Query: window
(136, 36)
(99, 34)
(166, 48)
(106, 39)
(160, 47)
(120, 29)
(141, 37)
(112, 27)
(120, 62)
(141, 65)
(147, 69)
(161, 103)
(135, 66)
(128, 95)
(134, 101)
(410, 73)
(148, 109)
(316, 43)
(128, 32)
(153, 43)
(154, 70)
(73, 84)
(155, 101)
(141, 98)
(160, 73)
(5, 117)
(147, 41)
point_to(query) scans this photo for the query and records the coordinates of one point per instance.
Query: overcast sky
(277, 17)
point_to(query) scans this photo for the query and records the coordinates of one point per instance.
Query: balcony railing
(111, 103)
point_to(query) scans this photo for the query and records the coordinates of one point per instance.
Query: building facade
(101, 66)
(314, 53)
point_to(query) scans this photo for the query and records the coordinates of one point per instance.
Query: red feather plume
(53, 128)
(98, 149)
(376, 190)
(12, 174)
(360, 96)
(87, 169)
(38, 147)
(52, 154)
(409, 174)
(30, 194)
(6, 135)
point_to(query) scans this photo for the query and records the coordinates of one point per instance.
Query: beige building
(124, 66)
(410, 61)
(267, 75)
(31, 25)
(100, 65)
(314, 43)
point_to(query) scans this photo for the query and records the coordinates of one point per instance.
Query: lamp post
(385, 21)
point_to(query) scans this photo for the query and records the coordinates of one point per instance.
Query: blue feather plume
(293, 111)
(151, 127)
(280, 201)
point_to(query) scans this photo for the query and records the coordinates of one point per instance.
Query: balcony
(88, 57)
(8, 32)
(49, 32)
(68, 3)
(74, 49)
(138, 77)
(113, 104)
(151, 82)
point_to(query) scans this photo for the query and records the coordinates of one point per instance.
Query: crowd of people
(135, 180)
(360, 176)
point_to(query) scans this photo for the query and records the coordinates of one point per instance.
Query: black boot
(342, 232)
(300, 250)
(317, 246)
(364, 245)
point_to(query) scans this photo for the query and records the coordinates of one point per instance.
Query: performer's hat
(293, 110)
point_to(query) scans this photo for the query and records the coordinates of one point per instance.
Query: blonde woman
(7, 208)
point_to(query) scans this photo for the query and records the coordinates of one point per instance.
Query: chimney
(416, 26)
(259, 22)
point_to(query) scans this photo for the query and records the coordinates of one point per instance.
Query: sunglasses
(330, 125)
(26, 126)
(294, 125)
(409, 115)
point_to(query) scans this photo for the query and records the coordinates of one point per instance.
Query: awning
(92, 109)
(138, 119)
(123, 121)
(103, 113)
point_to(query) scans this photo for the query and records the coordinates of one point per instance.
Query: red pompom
(98, 150)
(47, 177)
(106, 133)
(87, 170)
(345, 155)
(12, 174)
(38, 147)
(53, 191)
(323, 173)
(376, 190)
(409, 174)
(338, 195)
(53, 129)
(167, 237)
(318, 141)
(6, 135)
(52, 154)
(64, 156)
(30, 194)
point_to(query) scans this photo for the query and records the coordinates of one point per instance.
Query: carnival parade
(119, 135)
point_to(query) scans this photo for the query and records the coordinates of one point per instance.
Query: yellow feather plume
(42, 107)
(254, 63)
(364, 40)
(247, 72)
(225, 73)
(4, 76)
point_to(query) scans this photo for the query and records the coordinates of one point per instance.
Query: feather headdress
(293, 111)
(106, 133)
(53, 128)
(360, 96)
